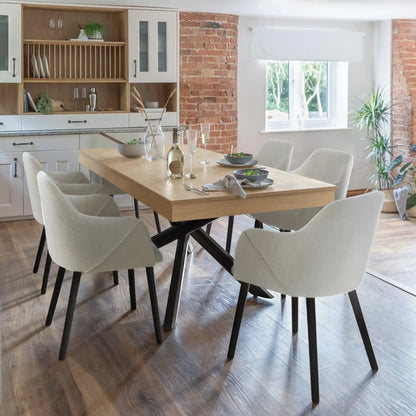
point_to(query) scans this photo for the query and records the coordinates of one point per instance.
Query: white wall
(251, 100)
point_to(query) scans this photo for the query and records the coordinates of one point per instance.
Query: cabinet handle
(135, 68)
(152, 119)
(14, 67)
(23, 144)
(77, 121)
(15, 167)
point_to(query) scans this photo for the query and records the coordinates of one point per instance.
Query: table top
(148, 182)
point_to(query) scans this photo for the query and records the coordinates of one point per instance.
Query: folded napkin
(231, 184)
(400, 196)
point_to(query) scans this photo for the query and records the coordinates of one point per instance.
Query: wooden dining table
(188, 211)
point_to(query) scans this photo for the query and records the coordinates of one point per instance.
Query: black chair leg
(115, 277)
(136, 208)
(69, 314)
(153, 301)
(363, 329)
(157, 222)
(295, 315)
(55, 295)
(132, 288)
(229, 233)
(46, 273)
(40, 250)
(313, 349)
(208, 229)
(258, 224)
(283, 296)
(237, 319)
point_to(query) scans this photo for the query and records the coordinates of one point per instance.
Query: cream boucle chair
(274, 153)
(326, 257)
(332, 166)
(88, 244)
(72, 183)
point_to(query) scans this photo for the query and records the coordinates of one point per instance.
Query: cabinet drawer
(139, 120)
(34, 143)
(10, 123)
(74, 121)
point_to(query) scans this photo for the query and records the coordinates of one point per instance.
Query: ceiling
(322, 9)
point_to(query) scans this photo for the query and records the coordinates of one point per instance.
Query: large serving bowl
(131, 150)
(253, 175)
(238, 158)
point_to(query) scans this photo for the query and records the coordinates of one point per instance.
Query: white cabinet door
(10, 33)
(11, 185)
(56, 160)
(153, 46)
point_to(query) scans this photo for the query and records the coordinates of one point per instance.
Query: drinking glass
(52, 24)
(191, 139)
(205, 127)
(76, 97)
(84, 98)
(60, 24)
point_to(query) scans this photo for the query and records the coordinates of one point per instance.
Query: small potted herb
(94, 30)
(44, 103)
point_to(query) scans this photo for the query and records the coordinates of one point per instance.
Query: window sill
(304, 129)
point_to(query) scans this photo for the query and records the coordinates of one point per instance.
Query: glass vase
(154, 141)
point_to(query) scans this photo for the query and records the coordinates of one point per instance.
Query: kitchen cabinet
(153, 48)
(11, 185)
(10, 43)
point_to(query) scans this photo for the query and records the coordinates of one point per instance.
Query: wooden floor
(394, 250)
(114, 366)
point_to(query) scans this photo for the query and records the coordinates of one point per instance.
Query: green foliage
(44, 103)
(91, 29)
(373, 113)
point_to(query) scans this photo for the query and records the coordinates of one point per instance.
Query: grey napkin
(231, 184)
(400, 197)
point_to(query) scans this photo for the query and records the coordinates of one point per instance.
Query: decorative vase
(154, 141)
(82, 35)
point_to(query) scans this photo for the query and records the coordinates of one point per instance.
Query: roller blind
(307, 45)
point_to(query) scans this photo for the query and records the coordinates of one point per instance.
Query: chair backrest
(327, 257)
(84, 243)
(32, 167)
(275, 154)
(331, 166)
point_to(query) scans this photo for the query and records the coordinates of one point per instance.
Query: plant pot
(389, 204)
(411, 212)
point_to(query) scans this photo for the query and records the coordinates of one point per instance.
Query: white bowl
(151, 104)
(131, 150)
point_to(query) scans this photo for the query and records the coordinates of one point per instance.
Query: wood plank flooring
(114, 367)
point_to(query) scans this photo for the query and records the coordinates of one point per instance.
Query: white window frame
(337, 95)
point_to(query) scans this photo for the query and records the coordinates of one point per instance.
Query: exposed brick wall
(404, 84)
(208, 75)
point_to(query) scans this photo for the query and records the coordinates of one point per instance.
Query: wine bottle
(175, 158)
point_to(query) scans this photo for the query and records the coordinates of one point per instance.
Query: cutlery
(192, 188)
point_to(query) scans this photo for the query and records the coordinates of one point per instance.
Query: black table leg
(176, 284)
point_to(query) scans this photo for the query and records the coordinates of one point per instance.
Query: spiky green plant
(373, 114)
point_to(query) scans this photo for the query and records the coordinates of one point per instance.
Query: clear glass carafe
(154, 141)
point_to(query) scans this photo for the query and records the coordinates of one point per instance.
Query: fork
(189, 187)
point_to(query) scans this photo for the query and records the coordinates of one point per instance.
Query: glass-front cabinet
(10, 31)
(152, 46)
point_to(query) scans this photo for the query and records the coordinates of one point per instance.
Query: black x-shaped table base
(181, 231)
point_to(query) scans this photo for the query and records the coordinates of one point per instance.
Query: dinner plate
(263, 184)
(35, 69)
(40, 66)
(224, 162)
(46, 66)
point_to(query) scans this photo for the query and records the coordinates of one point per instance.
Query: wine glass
(191, 139)
(60, 24)
(205, 127)
(76, 97)
(52, 24)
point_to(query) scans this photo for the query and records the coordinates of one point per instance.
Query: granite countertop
(75, 131)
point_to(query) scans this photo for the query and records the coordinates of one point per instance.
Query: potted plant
(94, 30)
(373, 114)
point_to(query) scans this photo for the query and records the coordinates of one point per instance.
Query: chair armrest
(68, 177)
(80, 188)
(96, 205)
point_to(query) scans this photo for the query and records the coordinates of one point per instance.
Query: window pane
(162, 48)
(314, 90)
(144, 46)
(277, 91)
